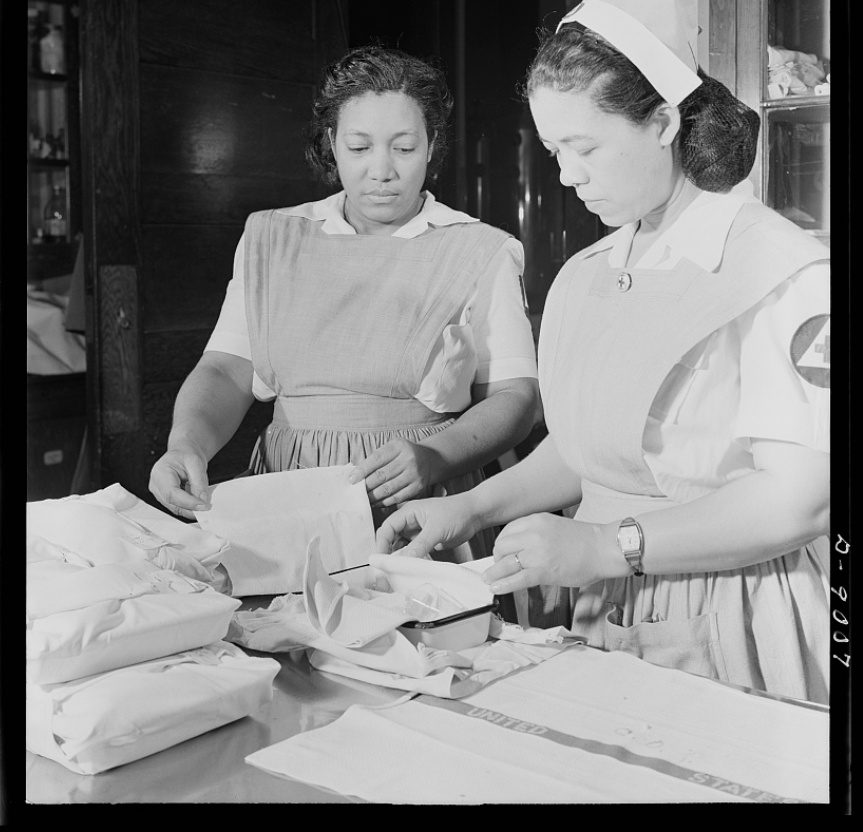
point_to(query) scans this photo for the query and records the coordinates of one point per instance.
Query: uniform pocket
(690, 644)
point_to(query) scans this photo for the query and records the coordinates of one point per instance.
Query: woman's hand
(179, 482)
(397, 472)
(547, 549)
(423, 526)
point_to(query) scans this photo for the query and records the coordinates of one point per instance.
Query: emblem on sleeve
(810, 350)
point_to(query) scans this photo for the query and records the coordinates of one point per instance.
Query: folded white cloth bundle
(353, 630)
(515, 648)
(99, 722)
(270, 519)
(87, 620)
(114, 526)
(791, 72)
(354, 623)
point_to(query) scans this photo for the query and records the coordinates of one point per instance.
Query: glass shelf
(795, 113)
(51, 92)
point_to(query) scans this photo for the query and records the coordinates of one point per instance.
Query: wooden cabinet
(53, 172)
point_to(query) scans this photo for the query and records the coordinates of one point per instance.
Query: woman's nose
(381, 168)
(572, 172)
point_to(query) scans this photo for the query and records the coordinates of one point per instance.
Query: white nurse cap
(658, 36)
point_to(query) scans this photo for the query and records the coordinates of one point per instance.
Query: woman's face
(621, 172)
(381, 151)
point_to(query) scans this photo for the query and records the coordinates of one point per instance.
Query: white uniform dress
(655, 379)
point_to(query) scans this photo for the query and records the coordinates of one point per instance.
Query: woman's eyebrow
(573, 137)
(362, 134)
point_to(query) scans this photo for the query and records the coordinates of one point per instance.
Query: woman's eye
(406, 150)
(357, 149)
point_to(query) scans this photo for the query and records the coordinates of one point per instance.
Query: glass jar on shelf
(54, 226)
(52, 51)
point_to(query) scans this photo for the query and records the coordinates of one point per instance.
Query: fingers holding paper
(396, 472)
(179, 482)
(423, 526)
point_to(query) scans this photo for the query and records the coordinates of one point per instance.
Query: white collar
(331, 211)
(699, 234)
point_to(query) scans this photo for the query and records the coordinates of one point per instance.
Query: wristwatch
(631, 542)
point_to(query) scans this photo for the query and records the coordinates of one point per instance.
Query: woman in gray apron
(389, 330)
(684, 373)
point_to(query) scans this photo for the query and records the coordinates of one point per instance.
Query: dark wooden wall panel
(258, 38)
(194, 198)
(171, 355)
(187, 270)
(206, 122)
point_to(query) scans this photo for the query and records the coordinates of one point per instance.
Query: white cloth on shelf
(114, 526)
(87, 620)
(583, 727)
(270, 519)
(99, 722)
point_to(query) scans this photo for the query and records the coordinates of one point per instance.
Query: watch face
(628, 538)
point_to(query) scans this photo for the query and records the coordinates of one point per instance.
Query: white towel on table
(583, 727)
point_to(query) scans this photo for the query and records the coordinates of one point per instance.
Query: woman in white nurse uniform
(684, 371)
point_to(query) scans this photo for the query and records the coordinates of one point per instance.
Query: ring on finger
(518, 562)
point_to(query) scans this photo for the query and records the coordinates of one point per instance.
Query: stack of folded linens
(125, 649)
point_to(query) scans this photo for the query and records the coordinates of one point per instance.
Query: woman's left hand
(397, 472)
(546, 549)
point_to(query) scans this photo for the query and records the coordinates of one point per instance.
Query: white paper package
(87, 620)
(103, 721)
(270, 519)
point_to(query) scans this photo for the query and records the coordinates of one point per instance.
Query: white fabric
(637, 31)
(87, 620)
(109, 719)
(270, 520)
(515, 648)
(582, 727)
(51, 350)
(739, 381)
(353, 630)
(491, 325)
(364, 620)
(114, 526)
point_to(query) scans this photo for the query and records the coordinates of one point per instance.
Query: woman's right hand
(179, 481)
(422, 526)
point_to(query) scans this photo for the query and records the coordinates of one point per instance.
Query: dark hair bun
(719, 137)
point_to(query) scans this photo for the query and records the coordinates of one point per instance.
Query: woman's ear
(332, 140)
(667, 120)
(431, 148)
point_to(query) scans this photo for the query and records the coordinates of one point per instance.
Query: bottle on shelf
(54, 217)
(52, 53)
